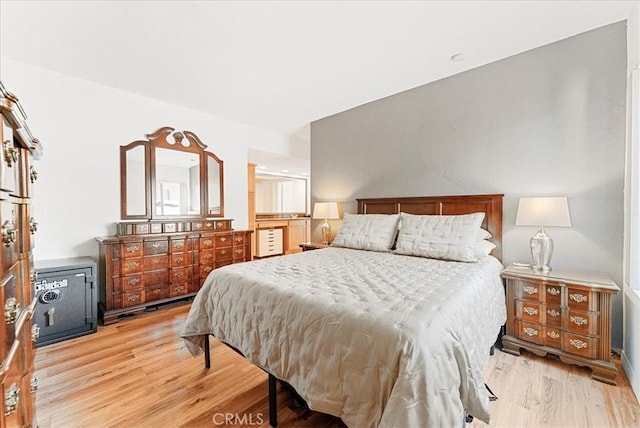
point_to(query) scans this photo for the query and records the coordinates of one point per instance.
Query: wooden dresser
(154, 262)
(18, 335)
(565, 313)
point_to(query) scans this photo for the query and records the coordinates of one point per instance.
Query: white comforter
(376, 339)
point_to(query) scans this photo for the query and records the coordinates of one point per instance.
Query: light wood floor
(138, 373)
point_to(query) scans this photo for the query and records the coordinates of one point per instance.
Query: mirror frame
(184, 141)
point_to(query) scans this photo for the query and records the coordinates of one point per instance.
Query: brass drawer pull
(178, 275)
(578, 298)
(529, 289)
(34, 383)
(223, 252)
(179, 288)
(578, 320)
(8, 233)
(35, 333)
(208, 269)
(552, 334)
(239, 251)
(133, 265)
(239, 239)
(10, 153)
(530, 331)
(553, 312)
(220, 224)
(553, 291)
(223, 238)
(578, 344)
(530, 311)
(133, 297)
(207, 242)
(33, 225)
(179, 259)
(11, 399)
(208, 224)
(132, 248)
(11, 309)
(133, 281)
(33, 174)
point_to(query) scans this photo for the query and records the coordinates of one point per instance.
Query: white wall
(82, 125)
(546, 122)
(631, 289)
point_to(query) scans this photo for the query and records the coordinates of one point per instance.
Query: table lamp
(326, 211)
(542, 212)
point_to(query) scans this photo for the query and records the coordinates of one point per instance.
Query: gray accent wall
(546, 122)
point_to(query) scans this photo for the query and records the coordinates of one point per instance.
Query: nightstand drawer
(583, 300)
(580, 345)
(527, 290)
(553, 337)
(553, 315)
(530, 332)
(553, 294)
(581, 322)
(529, 311)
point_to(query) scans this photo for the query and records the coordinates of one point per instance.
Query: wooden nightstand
(308, 246)
(565, 313)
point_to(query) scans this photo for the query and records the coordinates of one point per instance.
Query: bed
(374, 337)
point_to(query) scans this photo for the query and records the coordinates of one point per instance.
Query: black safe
(67, 299)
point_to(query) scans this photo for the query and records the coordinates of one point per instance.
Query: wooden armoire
(18, 335)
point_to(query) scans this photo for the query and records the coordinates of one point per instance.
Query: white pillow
(483, 234)
(483, 248)
(375, 232)
(447, 237)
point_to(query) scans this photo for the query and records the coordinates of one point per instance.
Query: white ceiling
(281, 65)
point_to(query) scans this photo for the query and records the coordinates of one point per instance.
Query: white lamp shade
(546, 211)
(325, 210)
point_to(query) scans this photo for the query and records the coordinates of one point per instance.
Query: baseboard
(632, 375)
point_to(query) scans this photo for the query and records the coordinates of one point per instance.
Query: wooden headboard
(491, 205)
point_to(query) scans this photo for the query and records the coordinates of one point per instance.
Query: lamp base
(326, 232)
(541, 251)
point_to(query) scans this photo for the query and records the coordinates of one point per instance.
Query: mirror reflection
(136, 182)
(177, 183)
(280, 194)
(215, 185)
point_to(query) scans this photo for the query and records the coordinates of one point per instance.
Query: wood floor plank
(138, 373)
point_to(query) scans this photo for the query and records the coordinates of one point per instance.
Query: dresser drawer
(530, 332)
(155, 278)
(132, 249)
(580, 345)
(181, 259)
(180, 275)
(206, 242)
(130, 266)
(224, 241)
(225, 253)
(10, 233)
(132, 298)
(155, 247)
(205, 270)
(131, 282)
(526, 290)
(206, 256)
(238, 239)
(222, 225)
(179, 289)
(181, 245)
(156, 293)
(238, 253)
(156, 262)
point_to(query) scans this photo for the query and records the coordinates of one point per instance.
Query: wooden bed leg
(207, 352)
(273, 405)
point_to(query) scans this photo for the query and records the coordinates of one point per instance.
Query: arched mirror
(170, 175)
